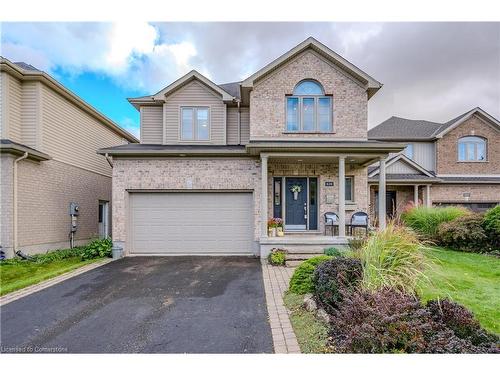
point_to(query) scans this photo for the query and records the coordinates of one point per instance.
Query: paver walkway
(276, 281)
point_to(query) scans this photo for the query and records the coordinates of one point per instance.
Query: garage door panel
(191, 223)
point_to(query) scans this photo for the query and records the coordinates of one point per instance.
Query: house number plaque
(328, 183)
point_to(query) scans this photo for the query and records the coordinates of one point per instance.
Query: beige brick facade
(267, 99)
(447, 149)
(181, 174)
(324, 172)
(45, 190)
(454, 193)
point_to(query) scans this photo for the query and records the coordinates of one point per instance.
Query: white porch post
(263, 196)
(415, 195)
(381, 196)
(342, 196)
(427, 195)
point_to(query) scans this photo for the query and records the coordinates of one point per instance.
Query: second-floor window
(309, 109)
(471, 149)
(195, 124)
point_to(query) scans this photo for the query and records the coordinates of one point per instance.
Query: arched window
(471, 148)
(309, 109)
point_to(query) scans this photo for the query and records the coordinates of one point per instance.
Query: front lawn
(470, 279)
(14, 276)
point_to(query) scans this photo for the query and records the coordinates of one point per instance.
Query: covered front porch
(301, 186)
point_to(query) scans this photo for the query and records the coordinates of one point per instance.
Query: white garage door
(191, 223)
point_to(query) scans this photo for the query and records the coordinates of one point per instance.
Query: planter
(279, 232)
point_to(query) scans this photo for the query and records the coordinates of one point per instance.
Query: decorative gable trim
(404, 159)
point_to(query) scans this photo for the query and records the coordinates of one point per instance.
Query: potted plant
(296, 189)
(275, 226)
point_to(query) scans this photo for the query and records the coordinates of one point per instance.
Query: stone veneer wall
(267, 99)
(181, 174)
(447, 149)
(324, 172)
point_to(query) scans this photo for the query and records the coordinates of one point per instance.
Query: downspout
(108, 159)
(15, 214)
(239, 121)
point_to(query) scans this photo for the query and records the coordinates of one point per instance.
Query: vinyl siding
(195, 94)
(30, 114)
(73, 136)
(424, 153)
(245, 125)
(12, 101)
(233, 133)
(401, 167)
(152, 124)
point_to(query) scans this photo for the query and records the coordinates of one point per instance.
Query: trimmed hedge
(465, 233)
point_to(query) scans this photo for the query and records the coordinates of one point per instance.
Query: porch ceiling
(319, 159)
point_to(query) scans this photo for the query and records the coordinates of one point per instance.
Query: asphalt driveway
(146, 305)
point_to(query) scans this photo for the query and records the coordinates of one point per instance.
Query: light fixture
(182, 154)
(299, 160)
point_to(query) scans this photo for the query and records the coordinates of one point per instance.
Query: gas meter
(73, 212)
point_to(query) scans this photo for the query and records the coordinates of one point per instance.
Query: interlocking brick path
(47, 283)
(276, 283)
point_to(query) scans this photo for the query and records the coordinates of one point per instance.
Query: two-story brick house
(451, 163)
(49, 138)
(216, 161)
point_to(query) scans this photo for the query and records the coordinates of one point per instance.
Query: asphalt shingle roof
(232, 88)
(402, 128)
(26, 66)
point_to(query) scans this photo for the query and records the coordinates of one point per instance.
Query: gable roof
(193, 75)
(372, 85)
(24, 71)
(398, 128)
(403, 158)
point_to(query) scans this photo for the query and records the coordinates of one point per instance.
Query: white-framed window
(309, 109)
(195, 123)
(471, 148)
(349, 188)
(409, 151)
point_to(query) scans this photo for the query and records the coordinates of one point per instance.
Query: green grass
(310, 332)
(470, 279)
(22, 274)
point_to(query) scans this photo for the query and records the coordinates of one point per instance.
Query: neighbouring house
(215, 162)
(451, 163)
(49, 139)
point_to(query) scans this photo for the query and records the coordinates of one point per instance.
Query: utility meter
(74, 212)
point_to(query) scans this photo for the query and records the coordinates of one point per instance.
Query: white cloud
(128, 52)
(130, 125)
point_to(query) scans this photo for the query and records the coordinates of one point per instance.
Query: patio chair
(359, 220)
(332, 221)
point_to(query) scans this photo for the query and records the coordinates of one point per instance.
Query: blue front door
(296, 203)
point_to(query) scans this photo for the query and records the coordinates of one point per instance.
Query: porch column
(263, 196)
(342, 196)
(381, 196)
(415, 195)
(428, 195)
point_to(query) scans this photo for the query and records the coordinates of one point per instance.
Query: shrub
(301, 281)
(464, 233)
(334, 277)
(97, 249)
(277, 257)
(388, 321)
(425, 220)
(333, 252)
(461, 321)
(393, 258)
(491, 225)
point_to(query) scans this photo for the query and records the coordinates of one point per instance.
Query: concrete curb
(10, 297)
(276, 283)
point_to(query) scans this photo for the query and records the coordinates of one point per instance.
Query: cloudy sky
(432, 71)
